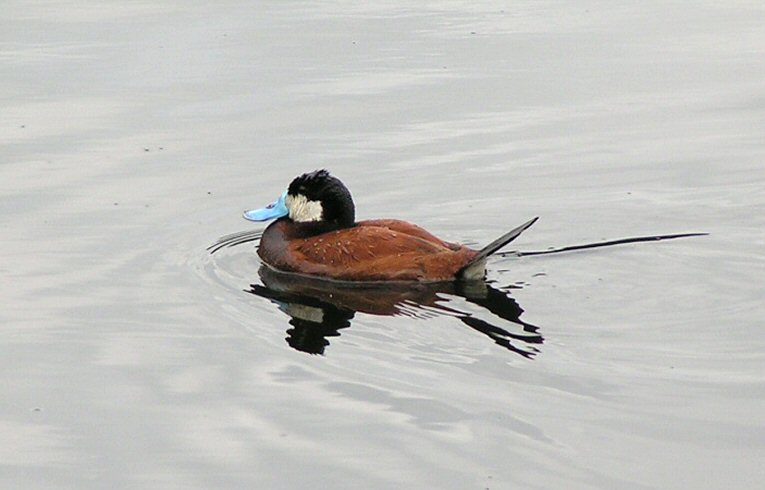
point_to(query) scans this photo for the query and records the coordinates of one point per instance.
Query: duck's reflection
(319, 309)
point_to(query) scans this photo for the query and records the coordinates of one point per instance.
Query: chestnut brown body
(372, 250)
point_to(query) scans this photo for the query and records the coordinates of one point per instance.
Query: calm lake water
(133, 135)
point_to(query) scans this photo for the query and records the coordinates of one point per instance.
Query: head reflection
(319, 309)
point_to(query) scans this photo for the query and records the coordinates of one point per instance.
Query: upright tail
(476, 268)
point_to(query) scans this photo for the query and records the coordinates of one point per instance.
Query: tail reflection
(319, 309)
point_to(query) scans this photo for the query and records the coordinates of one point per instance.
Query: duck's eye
(271, 206)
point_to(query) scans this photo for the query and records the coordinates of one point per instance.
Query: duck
(315, 233)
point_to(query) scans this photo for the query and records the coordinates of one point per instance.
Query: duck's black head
(319, 196)
(315, 197)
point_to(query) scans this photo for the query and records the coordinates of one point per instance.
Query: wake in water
(235, 239)
(608, 243)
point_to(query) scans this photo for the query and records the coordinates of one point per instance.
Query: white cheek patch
(301, 209)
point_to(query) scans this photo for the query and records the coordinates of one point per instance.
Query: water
(134, 135)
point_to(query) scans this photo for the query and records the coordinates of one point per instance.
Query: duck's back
(374, 250)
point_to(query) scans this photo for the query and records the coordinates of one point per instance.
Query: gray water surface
(133, 135)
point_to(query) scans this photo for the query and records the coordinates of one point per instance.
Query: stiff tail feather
(475, 269)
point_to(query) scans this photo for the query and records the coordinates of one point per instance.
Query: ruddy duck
(316, 233)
